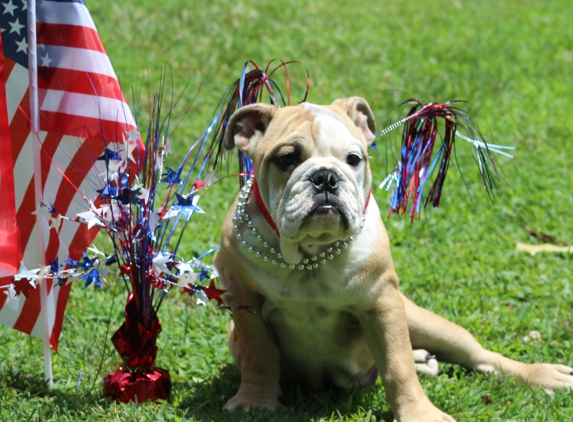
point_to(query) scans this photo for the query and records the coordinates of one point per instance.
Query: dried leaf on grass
(534, 249)
(544, 237)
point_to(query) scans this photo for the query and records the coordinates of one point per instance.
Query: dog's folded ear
(247, 124)
(360, 113)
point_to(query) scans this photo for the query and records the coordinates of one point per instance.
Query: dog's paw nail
(429, 356)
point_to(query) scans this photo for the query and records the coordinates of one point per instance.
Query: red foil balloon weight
(138, 379)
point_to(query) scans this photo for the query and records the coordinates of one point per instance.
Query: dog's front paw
(425, 412)
(425, 363)
(253, 396)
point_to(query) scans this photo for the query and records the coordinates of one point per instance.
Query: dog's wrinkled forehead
(330, 130)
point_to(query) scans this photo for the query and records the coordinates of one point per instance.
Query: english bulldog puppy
(306, 257)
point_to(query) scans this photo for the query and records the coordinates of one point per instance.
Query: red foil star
(213, 293)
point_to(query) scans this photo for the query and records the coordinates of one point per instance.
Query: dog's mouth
(327, 206)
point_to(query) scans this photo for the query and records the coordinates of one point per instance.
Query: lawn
(512, 61)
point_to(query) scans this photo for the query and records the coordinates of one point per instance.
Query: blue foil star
(87, 263)
(203, 274)
(124, 180)
(55, 266)
(172, 176)
(92, 277)
(186, 206)
(71, 263)
(109, 191)
(108, 154)
(50, 208)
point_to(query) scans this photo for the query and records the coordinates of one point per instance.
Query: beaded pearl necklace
(270, 254)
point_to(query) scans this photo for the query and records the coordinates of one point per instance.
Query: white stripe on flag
(52, 301)
(10, 312)
(24, 168)
(62, 158)
(83, 105)
(79, 59)
(16, 87)
(67, 13)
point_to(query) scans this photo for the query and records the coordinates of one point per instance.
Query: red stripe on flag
(8, 66)
(49, 147)
(83, 127)
(30, 311)
(63, 295)
(9, 245)
(88, 83)
(27, 220)
(82, 239)
(20, 127)
(3, 296)
(69, 36)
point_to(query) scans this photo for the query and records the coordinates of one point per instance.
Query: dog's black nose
(325, 180)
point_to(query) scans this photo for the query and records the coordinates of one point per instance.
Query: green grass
(512, 61)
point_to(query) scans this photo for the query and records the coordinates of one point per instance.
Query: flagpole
(35, 130)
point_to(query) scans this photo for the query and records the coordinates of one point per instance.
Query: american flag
(82, 108)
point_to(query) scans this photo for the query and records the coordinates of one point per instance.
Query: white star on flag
(9, 8)
(22, 46)
(16, 26)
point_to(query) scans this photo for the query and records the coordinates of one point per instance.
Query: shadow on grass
(22, 385)
(297, 404)
(208, 399)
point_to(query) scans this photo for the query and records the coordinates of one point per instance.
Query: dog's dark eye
(286, 161)
(353, 160)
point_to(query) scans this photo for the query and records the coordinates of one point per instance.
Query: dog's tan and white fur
(345, 321)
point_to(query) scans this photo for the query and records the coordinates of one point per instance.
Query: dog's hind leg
(452, 343)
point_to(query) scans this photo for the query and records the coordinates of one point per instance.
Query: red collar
(262, 207)
(267, 214)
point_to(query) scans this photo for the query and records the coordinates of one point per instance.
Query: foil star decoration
(213, 293)
(173, 176)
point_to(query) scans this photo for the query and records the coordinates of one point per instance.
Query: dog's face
(311, 165)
